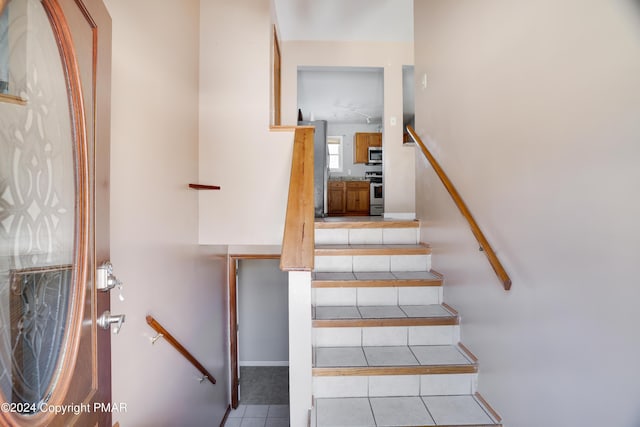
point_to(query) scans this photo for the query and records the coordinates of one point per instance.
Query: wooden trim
(464, 210)
(254, 256)
(288, 128)
(277, 79)
(488, 407)
(12, 99)
(403, 321)
(298, 239)
(171, 339)
(395, 370)
(391, 283)
(450, 309)
(203, 187)
(226, 415)
(354, 250)
(468, 353)
(322, 224)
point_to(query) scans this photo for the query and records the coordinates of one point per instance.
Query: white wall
(398, 161)
(263, 313)
(237, 151)
(532, 109)
(154, 222)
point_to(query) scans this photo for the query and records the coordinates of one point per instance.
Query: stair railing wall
(464, 210)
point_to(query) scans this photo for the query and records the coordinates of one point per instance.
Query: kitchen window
(334, 150)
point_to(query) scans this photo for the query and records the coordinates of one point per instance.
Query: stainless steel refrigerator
(320, 166)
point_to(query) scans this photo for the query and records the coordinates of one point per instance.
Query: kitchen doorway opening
(259, 330)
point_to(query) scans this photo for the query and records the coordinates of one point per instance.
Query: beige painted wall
(532, 109)
(399, 176)
(154, 222)
(237, 151)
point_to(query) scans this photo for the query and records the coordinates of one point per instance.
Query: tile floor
(401, 411)
(259, 416)
(379, 312)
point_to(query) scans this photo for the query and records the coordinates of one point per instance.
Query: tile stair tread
(443, 411)
(381, 312)
(385, 278)
(400, 247)
(385, 356)
(359, 222)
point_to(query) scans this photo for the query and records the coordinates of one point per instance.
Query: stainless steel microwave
(375, 155)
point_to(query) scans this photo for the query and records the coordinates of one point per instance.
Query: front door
(54, 212)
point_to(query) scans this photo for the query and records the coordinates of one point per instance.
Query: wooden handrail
(298, 239)
(204, 187)
(166, 335)
(464, 210)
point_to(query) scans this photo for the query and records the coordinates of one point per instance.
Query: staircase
(386, 347)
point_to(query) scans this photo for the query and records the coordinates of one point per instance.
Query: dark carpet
(264, 385)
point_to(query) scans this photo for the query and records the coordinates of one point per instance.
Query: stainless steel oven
(376, 193)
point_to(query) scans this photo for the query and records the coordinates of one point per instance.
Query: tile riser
(366, 236)
(386, 336)
(372, 263)
(394, 385)
(377, 296)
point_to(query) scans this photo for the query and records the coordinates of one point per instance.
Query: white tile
(335, 296)
(377, 296)
(345, 386)
(389, 356)
(419, 295)
(344, 412)
(334, 276)
(233, 422)
(456, 410)
(394, 385)
(238, 412)
(335, 236)
(433, 335)
(446, 384)
(337, 337)
(381, 312)
(277, 422)
(407, 236)
(333, 263)
(253, 422)
(337, 312)
(374, 275)
(340, 357)
(379, 336)
(365, 236)
(414, 275)
(278, 411)
(431, 310)
(256, 411)
(371, 263)
(439, 355)
(410, 262)
(400, 411)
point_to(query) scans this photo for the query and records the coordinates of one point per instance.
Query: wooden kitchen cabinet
(336, 197)
(348, 198)
(362, 142)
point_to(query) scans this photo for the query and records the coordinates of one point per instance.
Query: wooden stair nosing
(367, 224)
(381, 322)
(395, 370)
(347, 250)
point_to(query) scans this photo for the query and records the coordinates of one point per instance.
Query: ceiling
(344, 95)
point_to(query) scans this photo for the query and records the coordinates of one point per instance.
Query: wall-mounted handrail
(204, 187)
(167, 336)
(464, 210)
(298, 239)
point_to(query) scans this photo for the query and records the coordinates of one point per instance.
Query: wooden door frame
(233, 316)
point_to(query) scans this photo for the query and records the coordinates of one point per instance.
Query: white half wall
(399, 178)
(533, 110)
(154, 223)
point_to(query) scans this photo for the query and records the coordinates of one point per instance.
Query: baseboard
(265, 363)
(400, 215)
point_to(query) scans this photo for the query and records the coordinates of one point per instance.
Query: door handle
(107, 319)
(106, 280)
